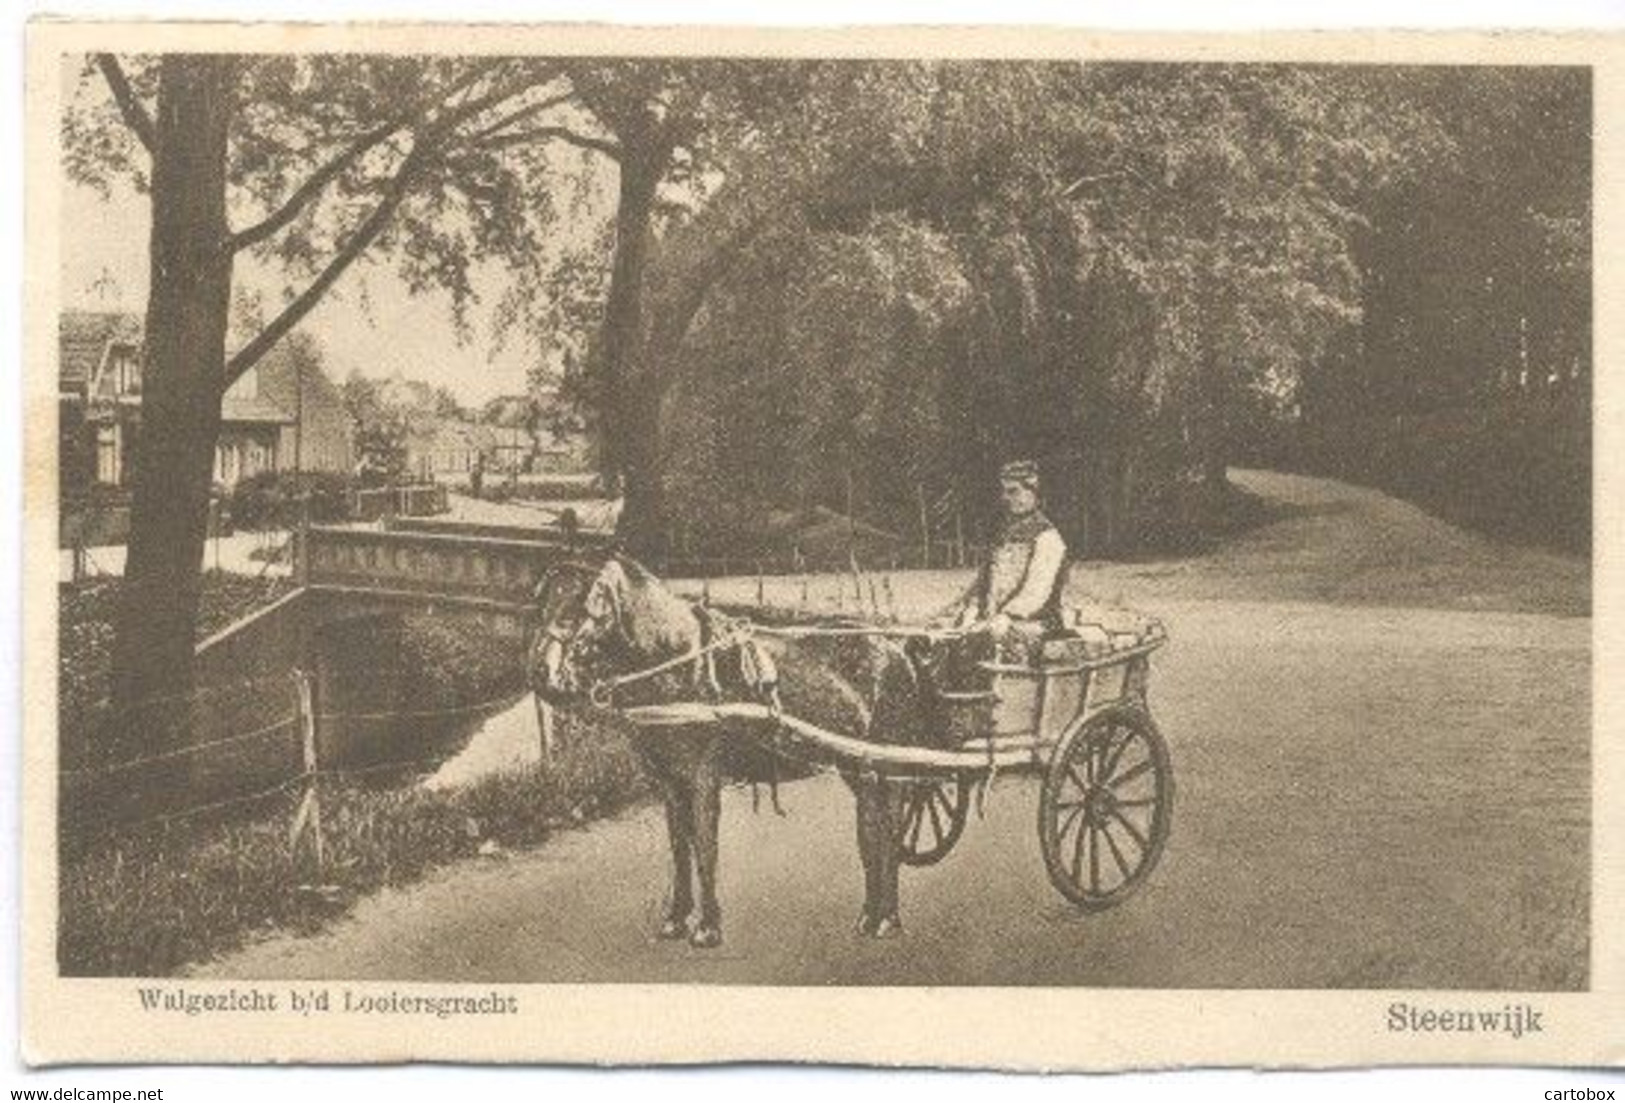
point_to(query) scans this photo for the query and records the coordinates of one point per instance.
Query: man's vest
(1006, 567)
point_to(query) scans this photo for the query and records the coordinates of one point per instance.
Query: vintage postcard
(1031, 550)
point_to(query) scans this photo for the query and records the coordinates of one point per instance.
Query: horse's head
(579, 608)
(592, 617)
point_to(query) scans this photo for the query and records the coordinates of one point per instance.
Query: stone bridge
(341, 627)
(476, 571)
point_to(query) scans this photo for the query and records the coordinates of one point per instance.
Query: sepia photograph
(813, 522)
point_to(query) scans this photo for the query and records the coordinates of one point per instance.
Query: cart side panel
(1068, 690)
(1108, 685)
(1016, 707)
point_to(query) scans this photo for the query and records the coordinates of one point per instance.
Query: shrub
(271, 499)
(454, 662)
(86, 614)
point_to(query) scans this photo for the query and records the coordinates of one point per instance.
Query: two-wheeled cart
(1077, 715)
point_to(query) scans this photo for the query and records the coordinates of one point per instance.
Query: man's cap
(1019, 471)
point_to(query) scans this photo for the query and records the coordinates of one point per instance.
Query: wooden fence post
(545, 722)
(925, 526)
(308, 819)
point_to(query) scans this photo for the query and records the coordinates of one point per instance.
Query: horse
(611, 633)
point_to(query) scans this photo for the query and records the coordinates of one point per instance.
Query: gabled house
(281, 414)
(98, 398)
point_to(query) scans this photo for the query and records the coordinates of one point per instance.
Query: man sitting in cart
(1016, 597)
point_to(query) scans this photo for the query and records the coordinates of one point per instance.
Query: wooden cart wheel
(934, 814)
(1104, 813)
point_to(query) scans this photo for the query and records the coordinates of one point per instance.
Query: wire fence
(301, 718)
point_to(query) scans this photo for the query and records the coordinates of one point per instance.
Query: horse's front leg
(679, 820)
(675, 796)
(707, 816)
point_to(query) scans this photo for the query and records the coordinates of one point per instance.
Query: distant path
(1344, 544)
(1380, 729)
(234, 554)
(592, 514)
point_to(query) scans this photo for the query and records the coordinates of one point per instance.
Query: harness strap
(738, 633)
(603, 691)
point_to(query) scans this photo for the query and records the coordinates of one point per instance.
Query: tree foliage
(1101, 264)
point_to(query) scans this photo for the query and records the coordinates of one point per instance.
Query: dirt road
(1380, 730)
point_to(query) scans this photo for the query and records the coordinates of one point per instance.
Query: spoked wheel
(1104, 814)
(934, 814)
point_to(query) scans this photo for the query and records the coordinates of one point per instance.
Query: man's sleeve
(1049, 555)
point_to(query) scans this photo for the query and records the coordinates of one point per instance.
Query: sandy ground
(234, 554)
(593, 514)
(1380, 729)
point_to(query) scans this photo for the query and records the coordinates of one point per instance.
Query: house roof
(85, 335)
(82, 340)
(257, 411)
(445, 434)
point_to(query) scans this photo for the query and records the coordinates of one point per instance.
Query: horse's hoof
(865, 924)
(706, 937)
(673, 929)
(889, 927)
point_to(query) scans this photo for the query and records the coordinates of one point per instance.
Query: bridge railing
(494, 569)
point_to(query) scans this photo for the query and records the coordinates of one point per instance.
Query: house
(98, 398)
(443, 448)
(251, 431)
(320, 435)
(283, 414)
(537, 432)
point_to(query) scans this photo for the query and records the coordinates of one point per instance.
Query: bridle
(608, 622)
(553, 633)
(588, 571)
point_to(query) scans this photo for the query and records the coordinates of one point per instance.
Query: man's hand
(998, 624)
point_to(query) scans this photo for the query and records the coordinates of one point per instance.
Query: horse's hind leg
(889, 799)
(866, 855)
(877, 846)
(707, 816)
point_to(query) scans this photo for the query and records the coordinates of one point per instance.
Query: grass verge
(151, 900)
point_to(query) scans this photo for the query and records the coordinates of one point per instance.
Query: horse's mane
(662, 621)
(635, 570)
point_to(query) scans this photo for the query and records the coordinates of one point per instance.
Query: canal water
(400, 699)
(499, 742)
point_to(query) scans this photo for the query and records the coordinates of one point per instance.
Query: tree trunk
(185, 348)
(631, 400)
(1214, 424)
